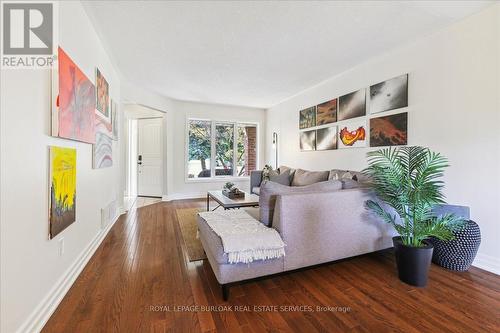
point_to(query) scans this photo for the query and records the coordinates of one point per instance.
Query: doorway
(145, 154)
(150, 157)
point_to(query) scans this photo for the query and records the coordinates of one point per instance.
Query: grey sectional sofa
(316, 226)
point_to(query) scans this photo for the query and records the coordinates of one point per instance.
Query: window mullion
(235, 149)
(212, 149)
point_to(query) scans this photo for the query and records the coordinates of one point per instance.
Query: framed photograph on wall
(326, 138)
(389, 95)
(326, 113)
(308, 140)
(307, 117)
(389, 130)
(352, 105)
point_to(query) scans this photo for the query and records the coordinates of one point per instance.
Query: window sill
(217, 179)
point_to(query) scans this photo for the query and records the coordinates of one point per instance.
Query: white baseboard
(39, 317)
(488, 263)
(183, 196)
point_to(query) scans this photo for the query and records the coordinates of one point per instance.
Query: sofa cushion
(284, 168)
(253, 212)
(336, 174)
(283, 177)
(269, 191)
(304, 177)
(211, 242)
(348, 184)
(360, 177)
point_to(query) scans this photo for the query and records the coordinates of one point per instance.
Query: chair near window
(224, 172)
(218, 172)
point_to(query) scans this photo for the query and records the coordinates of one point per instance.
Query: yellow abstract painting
(62, 189)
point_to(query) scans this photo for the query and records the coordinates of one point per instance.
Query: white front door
(150, 157)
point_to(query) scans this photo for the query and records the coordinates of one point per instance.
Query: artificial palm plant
(407, 179)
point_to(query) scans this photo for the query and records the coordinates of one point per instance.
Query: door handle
(139, 159)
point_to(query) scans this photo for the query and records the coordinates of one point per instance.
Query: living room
(250, 166)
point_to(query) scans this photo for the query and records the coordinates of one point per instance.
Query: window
(224, 149)
(199, 152)
(231, 149)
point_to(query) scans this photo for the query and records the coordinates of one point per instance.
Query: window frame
(213, 124)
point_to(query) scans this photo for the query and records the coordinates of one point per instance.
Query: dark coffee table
(250, 200)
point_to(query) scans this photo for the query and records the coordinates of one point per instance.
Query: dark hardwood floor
(139, 280)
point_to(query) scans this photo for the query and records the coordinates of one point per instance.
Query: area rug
(187, 223)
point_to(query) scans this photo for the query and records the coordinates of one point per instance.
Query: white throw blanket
(244, 239)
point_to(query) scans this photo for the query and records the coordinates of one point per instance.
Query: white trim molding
(39, 317)
(488, 263)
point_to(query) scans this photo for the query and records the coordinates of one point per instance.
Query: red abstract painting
(349, 138)
(389, 130)
(76, 102)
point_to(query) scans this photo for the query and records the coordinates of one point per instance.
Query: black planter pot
(413, 262)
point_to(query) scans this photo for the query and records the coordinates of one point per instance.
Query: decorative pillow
(348, 175)
(284, 168)
(335, 174)
(282, 178)
(360, 177)
(269, 190)
(304, 177)
(266, 172)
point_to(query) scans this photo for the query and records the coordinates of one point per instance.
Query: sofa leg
(225, 292)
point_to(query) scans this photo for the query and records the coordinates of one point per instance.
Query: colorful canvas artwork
(102, 94)
(326, 138)
(62, 211)
(308, 140)
(389, 130)
(349, 115)
(307, 118)
(352, 105)
(74, 111)
(103, 147)
(389, 95)
(326, 113)
(103, 125)
(114, 119)
(352, 134)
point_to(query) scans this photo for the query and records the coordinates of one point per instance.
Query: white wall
(179, 187)
(33, 275)
(454, 108)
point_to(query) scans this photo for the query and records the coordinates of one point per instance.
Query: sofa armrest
(327, 226)
(459, 211)
(255, 179)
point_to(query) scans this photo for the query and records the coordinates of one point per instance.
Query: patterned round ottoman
(459, 253)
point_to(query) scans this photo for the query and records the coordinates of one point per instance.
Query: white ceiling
(257, 53)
